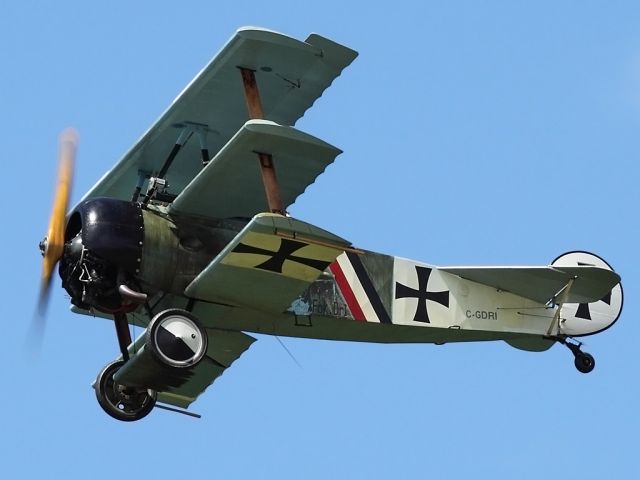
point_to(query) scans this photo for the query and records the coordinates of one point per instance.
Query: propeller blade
(53, 244)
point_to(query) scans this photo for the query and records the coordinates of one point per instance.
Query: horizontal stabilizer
(231, 184)
(269, 263)
(543, 284)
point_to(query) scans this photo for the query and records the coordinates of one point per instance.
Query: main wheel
(584, 362)
(177, 338)
(120, 402)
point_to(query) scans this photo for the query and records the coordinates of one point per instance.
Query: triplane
(188, 236)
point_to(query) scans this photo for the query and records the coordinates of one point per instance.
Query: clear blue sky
(477, 132)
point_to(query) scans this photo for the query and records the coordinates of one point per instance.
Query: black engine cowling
(111, 244)
(103, 249)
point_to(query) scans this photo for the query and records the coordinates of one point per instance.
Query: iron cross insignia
(284, 253)
(583, 308)
(402, 291)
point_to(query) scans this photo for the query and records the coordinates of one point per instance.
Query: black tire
(126, 406)
(584, 362)
(173, 352)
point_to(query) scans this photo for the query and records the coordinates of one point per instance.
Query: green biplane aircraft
(188, 236)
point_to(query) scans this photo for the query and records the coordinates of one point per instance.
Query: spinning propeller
(52, 245)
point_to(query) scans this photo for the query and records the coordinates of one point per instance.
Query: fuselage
(363, 296)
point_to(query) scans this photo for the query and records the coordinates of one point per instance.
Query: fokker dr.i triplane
(188, 236)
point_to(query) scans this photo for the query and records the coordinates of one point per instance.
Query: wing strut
(267, 167)
(559, 299)
(158, 183)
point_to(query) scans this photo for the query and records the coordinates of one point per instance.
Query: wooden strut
(267, 167)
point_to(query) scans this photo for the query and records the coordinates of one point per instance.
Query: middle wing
(231, 186)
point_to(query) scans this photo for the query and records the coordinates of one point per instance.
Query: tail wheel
(177, 338)
(584, 362)
(123, 403)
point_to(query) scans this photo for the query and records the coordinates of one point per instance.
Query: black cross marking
(402, 291)
(583, 308)
(284, 253)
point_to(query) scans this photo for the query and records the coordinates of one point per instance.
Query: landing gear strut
(584, 361)
(119, 401)
(174, 343)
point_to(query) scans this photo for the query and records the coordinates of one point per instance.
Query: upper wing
(543, 284)
(269, 263)
(291, 75)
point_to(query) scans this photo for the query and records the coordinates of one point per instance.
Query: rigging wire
(287, 350)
